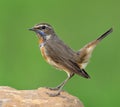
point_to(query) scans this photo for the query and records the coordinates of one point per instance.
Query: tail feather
(105, 34)
(84, 54)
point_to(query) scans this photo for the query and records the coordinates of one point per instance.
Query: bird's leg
(56, 88)
(59, 87)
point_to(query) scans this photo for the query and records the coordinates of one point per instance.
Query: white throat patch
(48, 37)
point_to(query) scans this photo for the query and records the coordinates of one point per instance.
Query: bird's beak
(37, 31)
(31, 29)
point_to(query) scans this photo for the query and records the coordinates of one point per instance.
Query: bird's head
(43, 30)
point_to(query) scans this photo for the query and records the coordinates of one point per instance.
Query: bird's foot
(53, 88)
(53, 94)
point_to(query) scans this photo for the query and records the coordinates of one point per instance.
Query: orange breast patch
(42, 49)
(41, 40)
(43, 53)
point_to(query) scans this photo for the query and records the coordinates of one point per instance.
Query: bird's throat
(41, 42)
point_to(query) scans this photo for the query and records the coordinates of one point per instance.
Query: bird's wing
(64, 57)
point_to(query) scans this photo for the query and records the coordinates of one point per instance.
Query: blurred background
(77, 22)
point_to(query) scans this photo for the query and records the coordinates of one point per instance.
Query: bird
(61, 56)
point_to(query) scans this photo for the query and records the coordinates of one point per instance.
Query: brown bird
(61, 56)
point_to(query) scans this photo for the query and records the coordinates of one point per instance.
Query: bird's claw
(53, 94)
(54, 89)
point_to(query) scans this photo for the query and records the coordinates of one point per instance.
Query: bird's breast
(42, 48)
(45, 55)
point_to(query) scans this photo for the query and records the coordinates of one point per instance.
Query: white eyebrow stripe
(37, 26)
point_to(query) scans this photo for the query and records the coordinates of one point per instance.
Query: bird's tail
(105, 34)
(84, 54)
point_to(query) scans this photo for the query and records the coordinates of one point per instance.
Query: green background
(77, 22)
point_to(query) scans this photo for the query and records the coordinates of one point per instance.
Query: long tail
(84, 54)
(105, 34)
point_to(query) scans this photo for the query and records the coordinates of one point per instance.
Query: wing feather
(62, 55)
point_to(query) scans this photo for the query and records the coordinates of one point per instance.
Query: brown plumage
(58, 54)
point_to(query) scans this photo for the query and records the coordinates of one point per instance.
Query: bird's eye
(43, 27)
